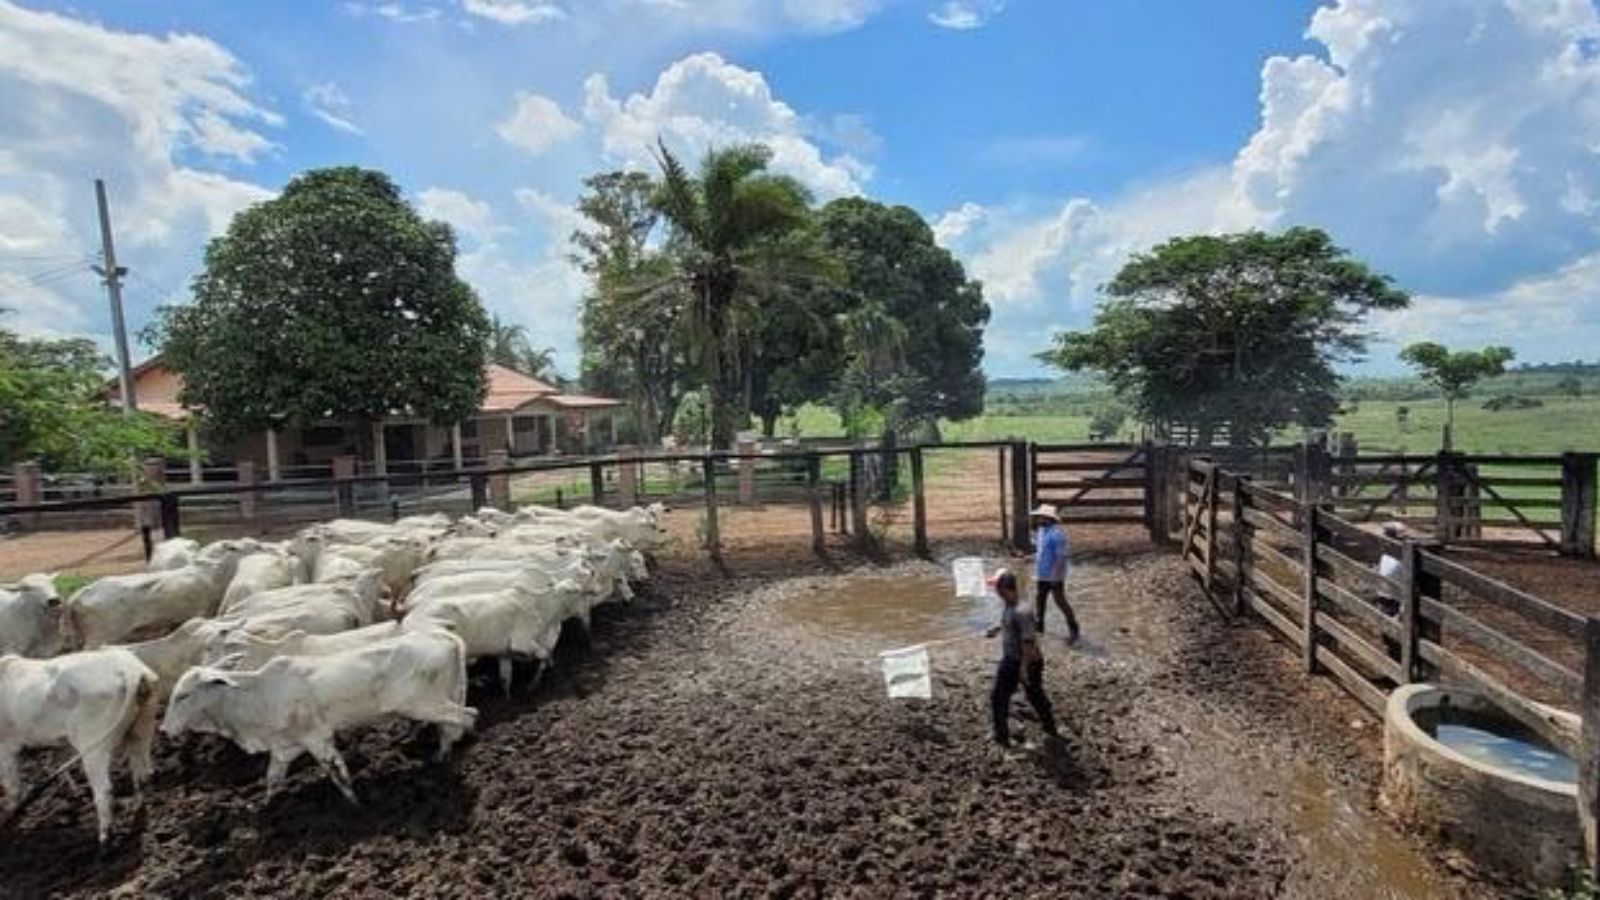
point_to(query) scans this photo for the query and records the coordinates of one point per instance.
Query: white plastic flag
(905, 673)
(970, 579)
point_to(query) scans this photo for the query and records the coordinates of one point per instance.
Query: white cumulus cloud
(760, 16)
(536, 124)
(147, 114)
(965, 15)
(704, 101)
(470, 217)
(329, 104)
(513, 12)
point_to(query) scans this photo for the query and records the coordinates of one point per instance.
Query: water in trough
(1498, 741)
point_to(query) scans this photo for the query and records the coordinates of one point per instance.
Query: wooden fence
(1373, 613)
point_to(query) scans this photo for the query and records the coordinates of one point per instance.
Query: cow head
(196, 698)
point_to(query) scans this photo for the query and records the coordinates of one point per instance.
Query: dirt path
(726, 738)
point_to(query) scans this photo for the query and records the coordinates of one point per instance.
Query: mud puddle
(1332, 825)
(892, 610)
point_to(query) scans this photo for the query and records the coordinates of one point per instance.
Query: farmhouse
(521, 415)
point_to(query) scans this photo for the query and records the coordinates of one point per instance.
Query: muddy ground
(723, 737)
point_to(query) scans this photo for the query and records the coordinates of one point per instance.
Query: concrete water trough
(1457, 765)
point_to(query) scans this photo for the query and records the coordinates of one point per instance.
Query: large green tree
(631, 347)
(1239, 331)
(1454, 373)
(731, 238)
(53, 409)
(334, 299)
(912, 322)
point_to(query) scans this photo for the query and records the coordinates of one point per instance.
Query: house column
(455, 444)
(611, 418)
(196, 474)
(511, 434)
(274, 473)
(380, 450)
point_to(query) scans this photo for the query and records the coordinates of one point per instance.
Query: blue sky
(1451, 144)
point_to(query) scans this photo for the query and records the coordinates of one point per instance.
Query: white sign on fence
(906, 674)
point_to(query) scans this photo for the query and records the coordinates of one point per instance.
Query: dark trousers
(1006, 678)
(1042, 592)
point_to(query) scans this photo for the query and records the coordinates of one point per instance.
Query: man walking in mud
(1050, 568)
(1020, 662)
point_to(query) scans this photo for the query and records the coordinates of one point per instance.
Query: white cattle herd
(279, 647)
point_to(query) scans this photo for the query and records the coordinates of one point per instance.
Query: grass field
(1562, 423)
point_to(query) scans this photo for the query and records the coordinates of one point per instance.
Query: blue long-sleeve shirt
(1050, 563)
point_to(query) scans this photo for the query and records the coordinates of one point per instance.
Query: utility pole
(112, 273)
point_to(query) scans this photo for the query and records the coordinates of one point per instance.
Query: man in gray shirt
(1020, 662)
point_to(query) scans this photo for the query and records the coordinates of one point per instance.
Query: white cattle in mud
(245, 651)
(172, 553)
(294, 705)
(641, 526)
(396, 556)
(172, 654)
(91, 700)
(506, 624)
(114, 607)
(316, 608)
(263, 570)
(30, 617)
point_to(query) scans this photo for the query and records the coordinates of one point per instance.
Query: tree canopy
(52, 409)
(334, 299)
(1237, 331)
(1455, 372)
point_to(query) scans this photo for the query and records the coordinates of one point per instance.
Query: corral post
(858, 499)
(344, 493)
(1175, 488)
(627, 477)
(1427, 586)
(1589, 761)
(819, 541)
(153, 479)
(919, 504)
(1309, 604)
(1005, 514)
(1578, 502)
(713, 534)
(747, 472)
(500, 485)
(1410, 610)
(1240, 535)
(28, 485)
(1211, 526)
(479, 484)
(171, 526)
(249, 501)
(1021, 452)
(597, 484)
(1152, 496)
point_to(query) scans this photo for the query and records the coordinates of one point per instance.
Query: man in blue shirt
(1020, 662)
(1050, 567)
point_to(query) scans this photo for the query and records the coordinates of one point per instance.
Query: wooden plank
(1510, 502)
(1134, 518)
(1358, 686)
(1089, 465)
(1131, 482)
(1270, 588)
(1519, 481)
(1270, 613)
(1499, 593)
(1354, 645)
(1123, 449)
(1308, 591)
(1454, 668)
(1353, 532)
(1357, 607)
(1085, 502)
(1366, 579)
(1543, 667)
(1589, 747)
(1279, 528)
(1269, 553)
(1270, 497)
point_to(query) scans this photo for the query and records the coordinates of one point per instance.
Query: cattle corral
(707, 744)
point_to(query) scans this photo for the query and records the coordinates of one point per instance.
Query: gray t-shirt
(1016, 623)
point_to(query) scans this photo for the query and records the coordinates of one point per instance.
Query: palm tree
(726, 230)
(509, 346)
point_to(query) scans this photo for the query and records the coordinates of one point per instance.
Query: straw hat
(1045, 511)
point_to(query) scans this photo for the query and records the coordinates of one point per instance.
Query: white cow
(298, 704)
(263, 570)
(172, 553)
(30, 617)
(396, 556)
(92, 700)
(640, 526)
(246, 650)
(169, 656)
(317, 608)
(506, 624)
(116, 606)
